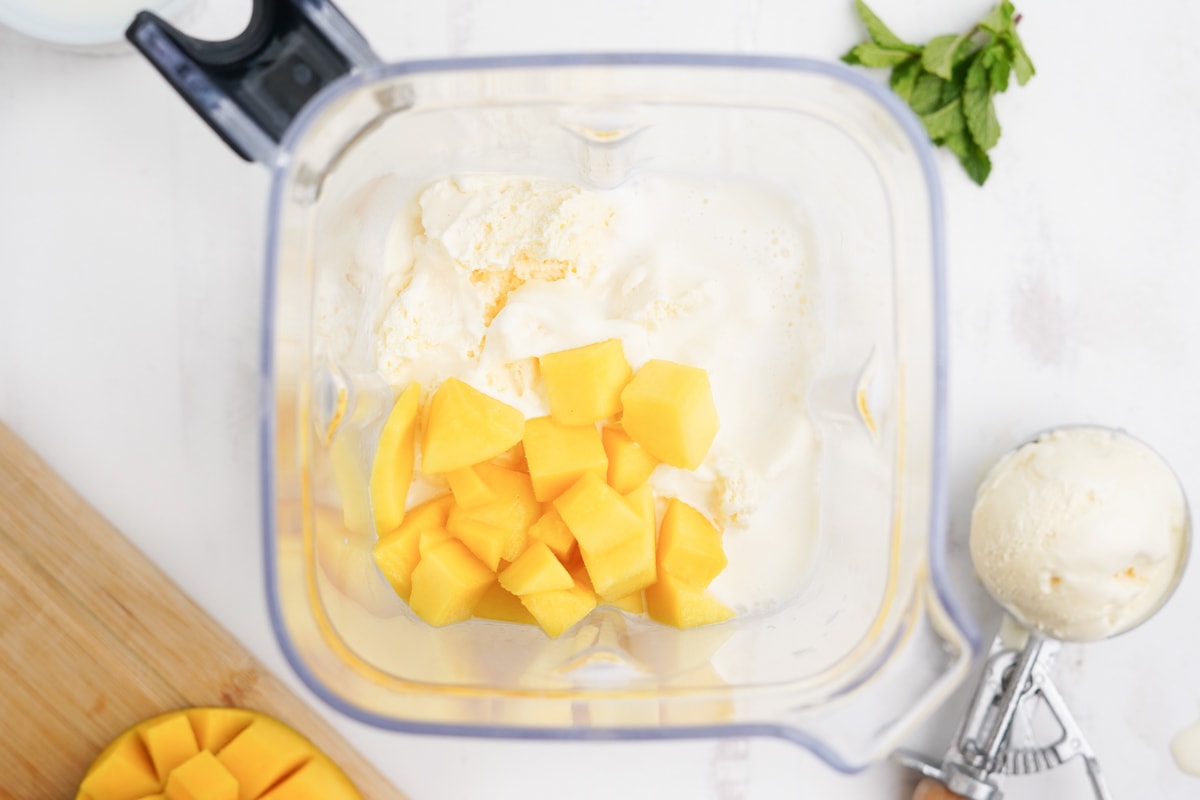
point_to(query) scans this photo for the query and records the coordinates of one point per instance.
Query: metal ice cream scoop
(1016, 682)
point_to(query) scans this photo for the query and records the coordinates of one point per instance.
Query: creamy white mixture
(1081, 533)
(486, 273)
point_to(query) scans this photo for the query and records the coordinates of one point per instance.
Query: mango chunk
(512, 458)
(502, 605)
(500, 529)
(629, 464)
(630, 566)
(598, 517)
(467, 427)
(392, 472)
(448, 583)
(431, 538)
(583, 385)
(689, 546)
(124, 770)
(554, 533)
(536, 570)
(673, 602)
(319, 779)
(469, 488)
(397, 555)
(170, 742)
(430, 514)
(262, 754)
(558, 611)
(669, 410)
(203, 777)
(216, 727)
(632, 603)
(559, 455)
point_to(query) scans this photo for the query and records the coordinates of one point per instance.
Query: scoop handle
(929, 789)
(250, 88)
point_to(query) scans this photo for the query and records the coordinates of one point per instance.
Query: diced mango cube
(512, 458)
(123, 770)
(557, 611)
(397, 555)
(629, 464)
(554, 533)
(633, 603)
(431, 538)
(598, 517)
(673, 602)
(430, 514)
(500, 529)
(630, 566)
(669, 410)
(392, 472)
(170, 741)
(204, 777)
(447, 584)
(689, 546)
(536, 570)
(559, 455)
(500, 604)
(466, 427)
(319, 779)
(583, 385)
(216, 727)
(262, 754)
(469, 488)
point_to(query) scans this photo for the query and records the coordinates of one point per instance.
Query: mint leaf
(938, 57)
(869, 54)
(945, 122)
(972, 157)
(978, 107)
(904, 78)
(927, 94)
(951, 82)
(999, 20)
(996, 59)
(880, 33)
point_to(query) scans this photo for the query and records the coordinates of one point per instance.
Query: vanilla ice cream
(1081, 533)
(488, 272)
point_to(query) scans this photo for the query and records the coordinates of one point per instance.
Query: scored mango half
(214, 754)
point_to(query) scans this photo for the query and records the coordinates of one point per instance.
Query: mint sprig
(952, 80)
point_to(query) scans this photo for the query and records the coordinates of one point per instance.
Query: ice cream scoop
(1081, 533)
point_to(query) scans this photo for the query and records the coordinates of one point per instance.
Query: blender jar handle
(249, 88)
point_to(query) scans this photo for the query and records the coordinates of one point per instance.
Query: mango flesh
(583, 385)
(536, 570)
(501, 605)
(447, 583)
(673, 602)
(668, 409)
(689, 546)
(469, 488)
(392, 472)
(234, 754)
(554, 533)
(630, 566)
(558, 611)
(629, 464)
(467, 427)
(558, 455)
(597, 515)
(396, 555)
(202, 777)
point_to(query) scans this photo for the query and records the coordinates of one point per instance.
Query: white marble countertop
(130, 266)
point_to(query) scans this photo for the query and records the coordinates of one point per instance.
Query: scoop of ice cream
(1081, 533)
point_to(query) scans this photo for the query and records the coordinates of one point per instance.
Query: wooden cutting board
(94, 638)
